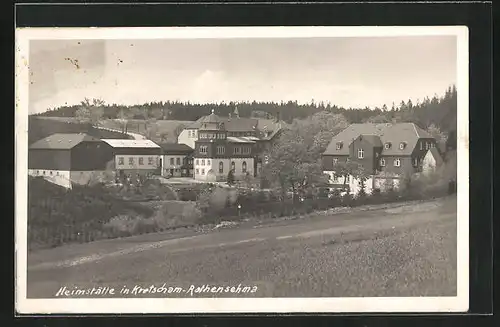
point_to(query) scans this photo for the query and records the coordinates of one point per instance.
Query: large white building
(135, 156)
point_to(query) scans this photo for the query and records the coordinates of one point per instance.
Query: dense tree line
(438, 110)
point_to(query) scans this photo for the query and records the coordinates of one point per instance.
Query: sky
(346, 71)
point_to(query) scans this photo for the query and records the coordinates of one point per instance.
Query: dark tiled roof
(236, 124)
(392, 133)
(63, 141)
(175, 148)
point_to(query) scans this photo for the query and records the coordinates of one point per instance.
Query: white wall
(428, 163)
(58, 177)
(184, 137)
(166, 166)
(146, 164)
(214, 166)
(65, 178)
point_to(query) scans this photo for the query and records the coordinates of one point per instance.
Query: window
(387, 145)
(197, 171)
(203, 171)
(51, 172)
(402, 145)
(221, 149)
(121, 160)
(421, 145)
(221, 167)
(361, 153)
(150, 160)
(427, 145)
(178, 161)
(203, 149)
(171, 161)
(397, 163)
(339, 145)
(57, 173)
(237, 150)
(244, 167)
(246, 150)
(382, 162)
(415, 162)
(131, 161)
(335, 161)
(38, 172)
(44, 172)
(203, 162)
(197, 162)
(233, 166)
(208, 162)
(141, 161)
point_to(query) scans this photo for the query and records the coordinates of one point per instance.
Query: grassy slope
(41, 127)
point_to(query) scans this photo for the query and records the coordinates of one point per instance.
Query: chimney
(277, 116)
(236, 112)
(229, 119)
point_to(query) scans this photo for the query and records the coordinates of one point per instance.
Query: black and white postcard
(242, 169)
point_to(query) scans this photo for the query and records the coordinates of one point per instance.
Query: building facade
(383, 152)
(135, 157)
(216, 153)
(66, 159)
(177, 160)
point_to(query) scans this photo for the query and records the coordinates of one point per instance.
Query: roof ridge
(415, 129)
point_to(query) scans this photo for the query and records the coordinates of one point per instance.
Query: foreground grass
(403, 254)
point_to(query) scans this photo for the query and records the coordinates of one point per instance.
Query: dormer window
(387, 145)
(382, 162)
(339, 145)
(402, 145)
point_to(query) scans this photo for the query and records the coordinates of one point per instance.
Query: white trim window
(397, 162)
(203, 149)
(339, 145)
(361, 153)
(221, 167)
(150, 160)
(382, 162)
(387, 145)
(421, 145)
(203, 162)
(244, 167)
(221, 149)
(402, 145)
(335, 161)
(208, 162)
(246, 150)
(427, 145)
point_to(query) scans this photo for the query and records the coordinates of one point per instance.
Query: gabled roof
(393, 133)
(117, 143)
(373, 139)
(63, 141)
(437, 156)
(176, 148)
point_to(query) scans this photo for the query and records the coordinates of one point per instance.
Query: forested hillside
(440, 111)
